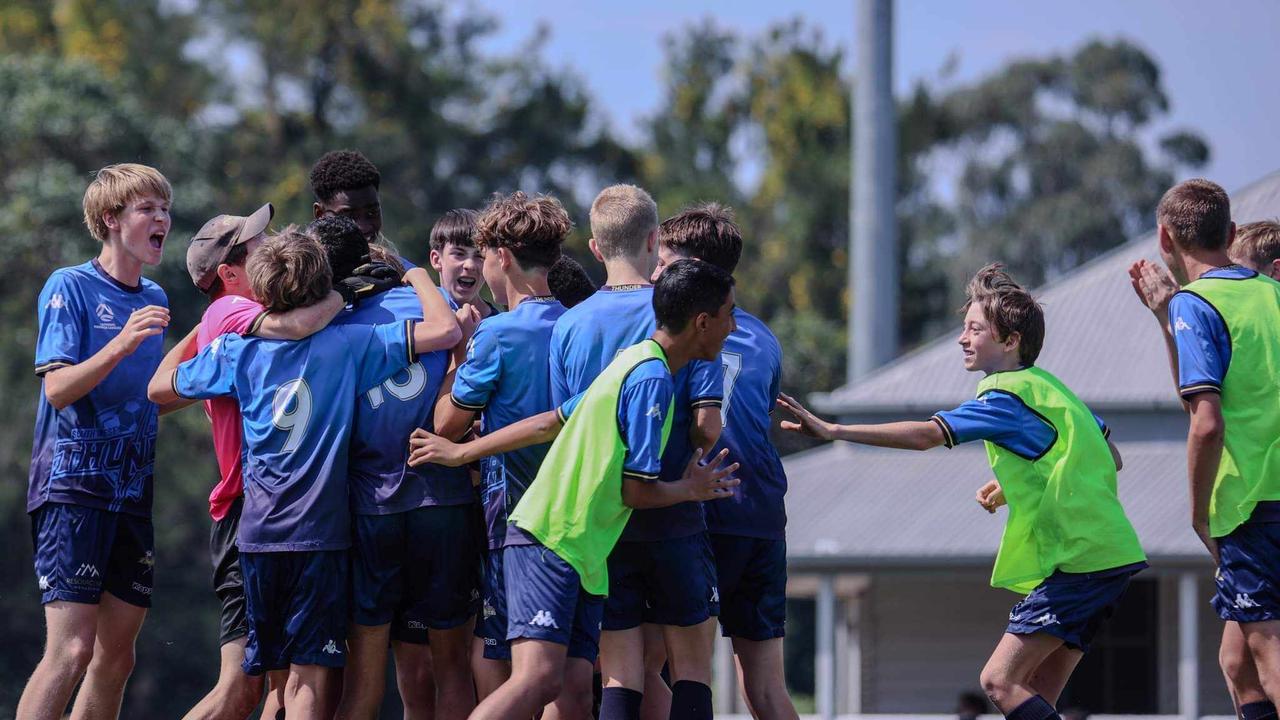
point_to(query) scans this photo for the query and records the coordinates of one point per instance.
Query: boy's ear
(111, 218)
(505, 259)
(1013, 340)
(651, 243)
(1165, 239)
(317, 211)
(595, 250)
(434, 259)
(1231, 236)
(1274, 269)
(228, 273)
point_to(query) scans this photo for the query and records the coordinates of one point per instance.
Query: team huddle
(544, 505)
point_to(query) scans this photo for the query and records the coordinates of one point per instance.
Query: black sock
(619, 703)
(1035, 708)
(690, 701)
(1261, 710)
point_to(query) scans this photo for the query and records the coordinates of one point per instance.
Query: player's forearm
(451, 421)
(534, 430)
(438, 329)
(66, 385)
(160, 388)
(705, 430)
(1204, 454)
(641, 495)
(910, 435)
(302, 322)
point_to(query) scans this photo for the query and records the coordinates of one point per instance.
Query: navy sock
(1035, 708)
(1262, 710)
(619, 703)
(690, 701)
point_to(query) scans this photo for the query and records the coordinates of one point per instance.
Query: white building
(898, 555)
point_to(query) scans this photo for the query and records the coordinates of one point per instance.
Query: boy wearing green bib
(1067, 544)
(604, 463)
(1223, 333)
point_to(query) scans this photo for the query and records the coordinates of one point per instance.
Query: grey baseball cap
(210, 246)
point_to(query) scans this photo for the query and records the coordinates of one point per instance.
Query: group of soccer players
(563, 492)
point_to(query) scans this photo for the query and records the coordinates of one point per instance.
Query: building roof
(1099, 339)
(865, 508)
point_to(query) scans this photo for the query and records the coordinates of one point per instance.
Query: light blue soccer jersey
(382, 483)
(297, 400)
(1201, 338)
(752, 362)
(99, 451)
(585, 340)
(506, 378)
(1003, 419)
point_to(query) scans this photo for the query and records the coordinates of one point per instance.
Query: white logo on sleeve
(542, 618)
(56, 302)
(654, 412)
(331, 648)
(1179, 325)
(1244, 602)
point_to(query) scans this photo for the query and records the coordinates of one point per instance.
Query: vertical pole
(1188, 647)
(853, 654)
(873, 237)
(825, 663)
(726, 676)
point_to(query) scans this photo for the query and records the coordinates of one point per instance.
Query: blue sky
(1219, 60)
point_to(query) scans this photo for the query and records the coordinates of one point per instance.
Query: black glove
(367, 280)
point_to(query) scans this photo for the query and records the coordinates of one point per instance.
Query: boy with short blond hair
(101, 327)
(1067, 544)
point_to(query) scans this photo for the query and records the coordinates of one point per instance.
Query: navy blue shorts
(667, 582)
(545, 601)
(1248, 577)
(82, 551)
(491, 627)
(297, 609)
(417, 570)
(752, 576)
(1072, 606)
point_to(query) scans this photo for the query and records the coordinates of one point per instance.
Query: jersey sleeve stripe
(706, 402)
(560, 416)
(948, 435)
(642, 477)
(1190, 390)
(173, 384)
(408, 332)
(464, 406)
(52, 365)
(256, 325)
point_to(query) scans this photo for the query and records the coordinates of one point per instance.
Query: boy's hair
(622, 216)
(289, 270)
(1257, 244)
(706, 232)
(114, 187)
(1197, 214)
(569, 282)
(455, 227)
(344, 245)
(236, 256)
(340, 170)
(1008, 308)
(532, 228)
(686, 289)
(384, 254)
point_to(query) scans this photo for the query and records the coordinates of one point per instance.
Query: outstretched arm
(907, 435)
(160, 389)
(425, 447)
(438, 329)
(700, 482)
(298, 323)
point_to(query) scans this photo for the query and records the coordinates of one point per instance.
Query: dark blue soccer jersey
(585, 340)
(1201, 337)
(382, 483)
(1001, 418)
(646, 394)
(506, 378)
(297, 399)
(752, 361)
(99, 451)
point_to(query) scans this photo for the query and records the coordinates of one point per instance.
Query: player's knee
(1234, 665)
(73, 656)
(543, 684)
(996, 684)
(243, 695)
(116, 663)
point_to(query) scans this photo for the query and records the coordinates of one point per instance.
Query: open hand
(1153, 285)
(425, 447)
(142, 324)
(990, 496)
(806, 422)
(709, 481)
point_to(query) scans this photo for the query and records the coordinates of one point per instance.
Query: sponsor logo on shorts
(488, 611)
(331, 648)
(415, 625)
(542, 618)
(491, 642)
(87, 570)
(1244, 602)
(148, 561)
(140, 588)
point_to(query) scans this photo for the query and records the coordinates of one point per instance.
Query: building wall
(924, 638)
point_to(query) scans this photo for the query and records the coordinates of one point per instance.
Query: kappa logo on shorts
(715, 594)
(44, 582)
(1244, 602)
(331, 648)
(87, 570)
(542, 618)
